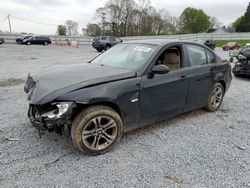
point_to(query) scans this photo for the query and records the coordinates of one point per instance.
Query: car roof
(158, 42)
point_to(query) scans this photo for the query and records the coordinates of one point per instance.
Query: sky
(55, 12)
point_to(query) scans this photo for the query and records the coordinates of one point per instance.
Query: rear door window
(210, 57)
(197, 55)
(104, 38)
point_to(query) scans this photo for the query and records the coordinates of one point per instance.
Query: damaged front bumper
(41, 121)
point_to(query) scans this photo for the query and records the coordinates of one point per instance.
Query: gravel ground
(194, 150)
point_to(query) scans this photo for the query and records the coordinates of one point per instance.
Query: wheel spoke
(218, 98)
(95, 122)
(108, 137)
(214, 103)
(218, 91)
(109, 125)
(94, 143)
(97, 142)
(87, 134)
(99, 118)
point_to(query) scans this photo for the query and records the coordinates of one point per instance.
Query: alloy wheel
(99, 133)
(216, 97)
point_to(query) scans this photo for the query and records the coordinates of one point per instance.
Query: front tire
(96, 130)
(99, 49)
(215, 97)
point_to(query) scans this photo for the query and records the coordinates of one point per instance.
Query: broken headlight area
(51, 116)
(57, 110)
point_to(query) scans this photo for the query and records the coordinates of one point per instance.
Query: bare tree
(130, 17)
(72, 28)
(215, 23)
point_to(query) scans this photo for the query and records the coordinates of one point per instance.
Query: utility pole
(9, 22)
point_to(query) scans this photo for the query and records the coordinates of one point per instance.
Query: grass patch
(220, 43)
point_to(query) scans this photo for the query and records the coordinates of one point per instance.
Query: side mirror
(160, 69)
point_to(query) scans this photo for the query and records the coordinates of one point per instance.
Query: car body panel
(141, 97)
(1, 40)
(55, 81)
(37, 40)
(101, 42)
(231, 46)
(22, 38)
(242, 66)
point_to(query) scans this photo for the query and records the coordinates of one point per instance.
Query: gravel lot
(194, 150)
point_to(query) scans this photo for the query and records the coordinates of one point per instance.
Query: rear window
(104, 38)
(96, 39)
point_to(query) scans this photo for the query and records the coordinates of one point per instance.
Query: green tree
(242, 24)
(93, 30)
(239, 24)
(61, 30)
(193, 21)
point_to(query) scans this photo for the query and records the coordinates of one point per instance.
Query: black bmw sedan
(129, 86)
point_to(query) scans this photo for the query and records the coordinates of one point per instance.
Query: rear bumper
(97, 45)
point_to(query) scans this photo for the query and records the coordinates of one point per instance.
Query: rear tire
(96, 130)
(236, 74)
(107, 46)
(215, 97)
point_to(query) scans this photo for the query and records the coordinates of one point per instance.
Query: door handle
(183, 77)
(212, 69)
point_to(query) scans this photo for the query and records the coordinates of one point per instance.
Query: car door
(40, 40)
(200, 74)
(34, 40)
(163, 95)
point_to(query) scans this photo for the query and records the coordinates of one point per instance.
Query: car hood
(50, 83)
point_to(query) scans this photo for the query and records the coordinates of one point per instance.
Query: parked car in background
(131, 85)
(242, 65)
(101, 43)
(37, 40)
(1, 40)
(207, 42)
(20, 39)
(247, 45)
(231, 46)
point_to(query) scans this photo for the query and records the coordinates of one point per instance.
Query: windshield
(126, 56)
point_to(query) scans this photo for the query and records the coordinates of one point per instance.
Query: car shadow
(243, 77)
(58, 142)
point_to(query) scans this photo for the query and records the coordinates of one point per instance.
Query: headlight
(60, 109)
